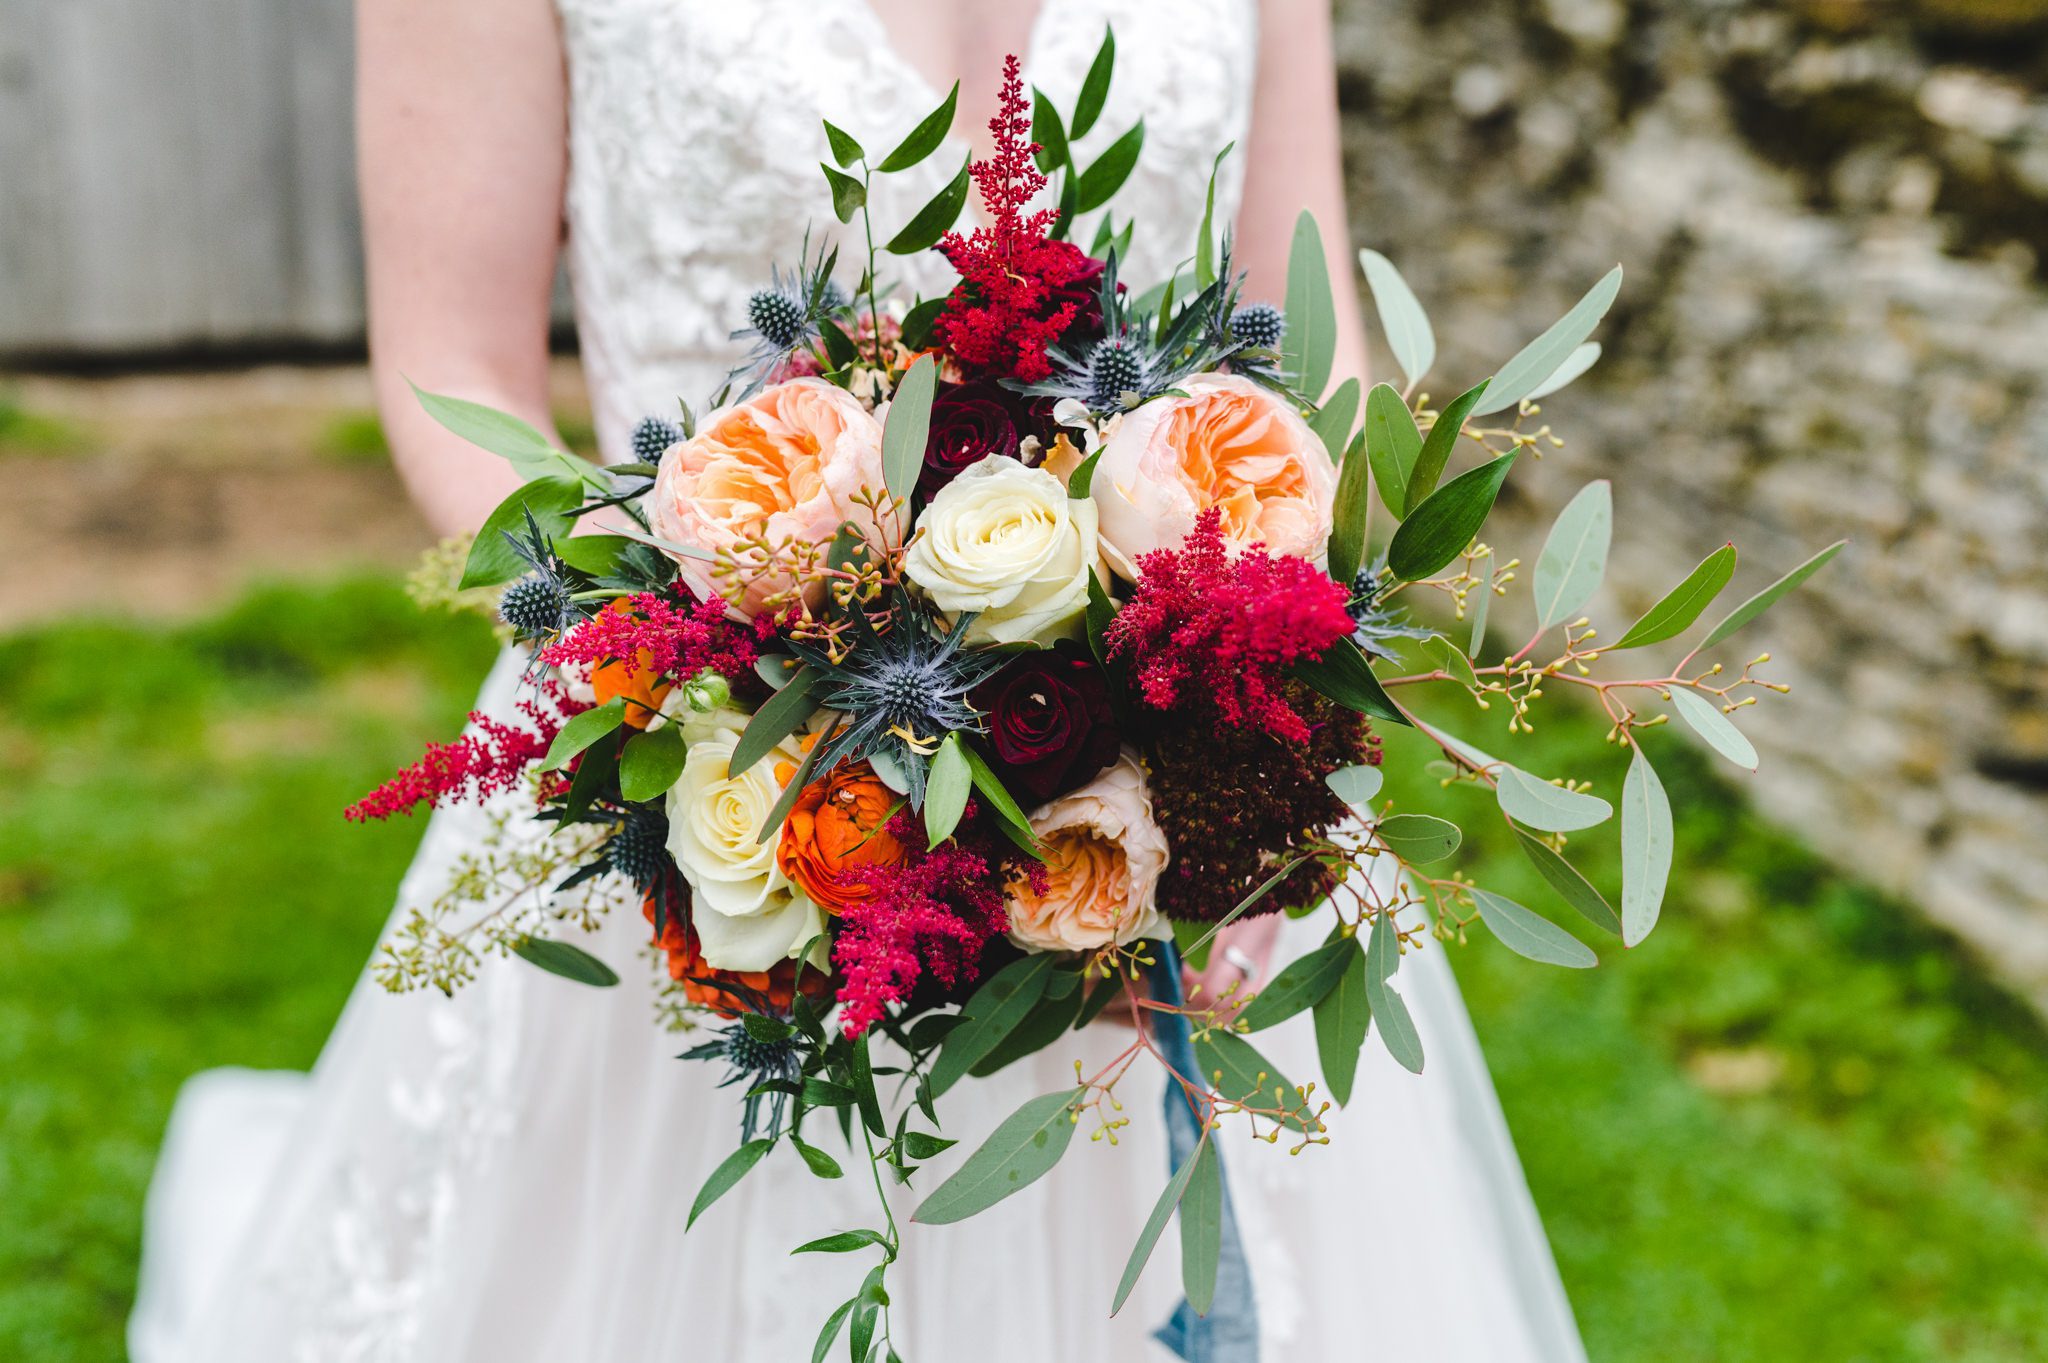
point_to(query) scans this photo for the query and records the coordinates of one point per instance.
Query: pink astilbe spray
(654, 633)
(1205, 629)
(933, 914)
(488, 758)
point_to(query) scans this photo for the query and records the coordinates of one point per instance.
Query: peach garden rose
(788, 463)
(1104, 856)
(1229, 444)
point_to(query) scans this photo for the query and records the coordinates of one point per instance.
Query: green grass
(1793, 1125)
(24, 432)
(178, 890)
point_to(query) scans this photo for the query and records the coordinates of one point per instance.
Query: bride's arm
(1294, 161)
(462, 145)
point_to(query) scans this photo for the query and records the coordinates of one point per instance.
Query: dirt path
(163, 494)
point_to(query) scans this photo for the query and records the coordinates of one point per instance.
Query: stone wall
(1834, 218)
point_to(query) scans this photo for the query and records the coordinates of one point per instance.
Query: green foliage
(908, 424)
(1438, 530)
(567, 960)
(1392, 443)
(1162, 1211)
(1574, 556)
(1016, 1155)
(1402, 318)
(1106, 174)
(935, 219)
(946, 789)
(1310, 345)
(1537, 361)
(1095, 85)
(1794, 1082)
(925, 138)
(1679, 607)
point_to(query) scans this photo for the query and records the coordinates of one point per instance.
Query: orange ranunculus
(701, 984)
(839, 825)
(640, 685)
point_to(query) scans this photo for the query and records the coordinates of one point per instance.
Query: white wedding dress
(502, 1176)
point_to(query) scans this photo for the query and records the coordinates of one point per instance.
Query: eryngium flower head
(1260, 325)
(653, 435)
(760, 1048)
(901, 692)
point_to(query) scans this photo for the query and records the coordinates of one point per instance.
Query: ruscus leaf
(730, 1172)
(925, 138)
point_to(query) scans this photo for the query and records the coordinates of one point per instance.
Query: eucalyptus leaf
(935, 219)
(1575, 364)
(1646, 843)
(1107, 173)
(1094, 86)
(946, 790)
(1707, 720)
(1448, 657)
(730, 1172)
(1201, 1229)
(581, 731)
(1768, 597)
(1241, 1075)
(1020, 1152)
(1533, 365)
(1356, 786)
(1310, 344)
(1402, 318)
(1333, 420)
(925, 138)
(1437, 446)
(650, 763)
(1574, 556)
(531, 454)
(1396, 1026)
(1418, 839)
(992, 1013)
(1155, 1225)
(1299, 986)
(1538, 804)
(1682, 604)
(1570, 885)
(1392, 445)
(1341, 1019)
(1530, 934)
(1000, 800)
(908, 428)
(781, 715)
(1353, 508)
(1437, 531)
(563, 959)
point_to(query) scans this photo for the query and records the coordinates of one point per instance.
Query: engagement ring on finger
(1246, 966)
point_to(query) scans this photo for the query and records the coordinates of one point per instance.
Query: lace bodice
(695, 138)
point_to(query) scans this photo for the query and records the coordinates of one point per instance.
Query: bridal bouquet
(973, 659)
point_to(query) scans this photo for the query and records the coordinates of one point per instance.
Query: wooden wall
(176, 175)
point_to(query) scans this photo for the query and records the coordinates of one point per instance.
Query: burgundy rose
(970, 421)
(1050, 726)
(1081, 286)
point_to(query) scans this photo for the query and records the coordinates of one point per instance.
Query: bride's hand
(1241, 955)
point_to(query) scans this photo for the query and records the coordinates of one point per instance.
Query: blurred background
(1807, 1119)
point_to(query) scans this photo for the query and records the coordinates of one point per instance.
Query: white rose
(1104, 856)
(746, 912)
(1005, 542)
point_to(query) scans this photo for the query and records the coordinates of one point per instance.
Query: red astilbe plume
(933, 915)
(654, 634)
(1207, 630)
(1019, 291)
(489, 757)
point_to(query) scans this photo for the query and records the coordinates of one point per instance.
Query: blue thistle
(758, 1049)
(543, 602)
(1376, 621)
(901, 692)
(1259, 325)
(786, 316)
(652, 436)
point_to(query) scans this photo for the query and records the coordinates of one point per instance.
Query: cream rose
(746, 912)
(1006, 542)
(1228, 444)
(788, 463)
(1104, 856)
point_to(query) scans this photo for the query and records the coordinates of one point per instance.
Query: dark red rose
(1081, 285)
(1050, 726)
(970, 421)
